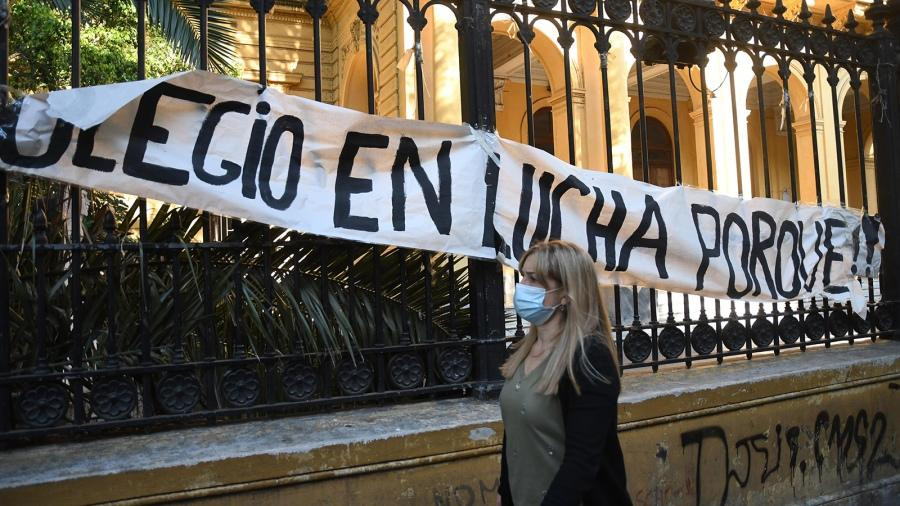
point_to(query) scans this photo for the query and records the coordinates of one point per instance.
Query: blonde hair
(584, 316)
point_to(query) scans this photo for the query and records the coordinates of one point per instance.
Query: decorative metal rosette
(789, 329)
(637, 345)
(683, 18)
(583, 7)
(769, 33)
(815, 326)
(417, 19)
(734, 335)
(819, 43)
(860, 324)
(240, 387)
(565, 39)
(742, 29)
(178, 392)
(703, 338)
(316, 8)
(671, 341)
(406, 370)
(617, 10)
(43, 404)
(299, 380)
(838, 323)
(652, 12)
(883, 318)
(843, 50)
(713, 24)
(368, 13)
(354, 378)
(544, 4)
(795, 39)
(262, 5)
(763, 332)
(113, 398)
(865, 55)
(454, 364)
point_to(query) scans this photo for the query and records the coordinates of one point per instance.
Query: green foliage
(41, 43)
(312, 300)
(179, 21)
(39, 57)
(41, 46)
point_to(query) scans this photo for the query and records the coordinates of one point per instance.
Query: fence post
(885, 91)
(485, 277)
(5, 399)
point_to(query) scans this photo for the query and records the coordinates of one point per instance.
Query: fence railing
(137, 317)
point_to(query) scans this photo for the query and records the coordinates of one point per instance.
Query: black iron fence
(134, 318)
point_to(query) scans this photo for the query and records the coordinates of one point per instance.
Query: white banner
(224, 145)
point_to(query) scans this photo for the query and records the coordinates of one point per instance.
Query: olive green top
(535, 436)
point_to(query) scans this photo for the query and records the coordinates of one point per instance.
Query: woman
(560, 445)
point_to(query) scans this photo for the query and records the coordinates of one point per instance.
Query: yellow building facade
(734, 122)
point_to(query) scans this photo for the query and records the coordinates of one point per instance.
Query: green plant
(40, 42)
(298, 293)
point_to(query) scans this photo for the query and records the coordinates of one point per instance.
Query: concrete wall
(809, 428)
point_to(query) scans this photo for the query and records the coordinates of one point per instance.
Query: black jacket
(592, 471)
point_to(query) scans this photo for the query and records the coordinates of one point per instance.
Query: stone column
(445, 82)
(700, 147)
(620, 61)
(731, 151)
(594, 133)
(806, 182)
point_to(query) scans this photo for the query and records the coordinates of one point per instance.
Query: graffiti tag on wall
(853, 446)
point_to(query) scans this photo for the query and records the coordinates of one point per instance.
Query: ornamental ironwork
(299, 380)
(114, 398)
(178, 392)
(763, 332)
(652, 12)
(638, 345)
(582, 7)
(355, 376)
(814, 325)
(454, 364)
(734, 335)
(406, 370)
(789, 329)
(617, 10)
(240, 387)
(671, 341)
(838, 323)
(43, 404)
(703, 338)
(405, 347)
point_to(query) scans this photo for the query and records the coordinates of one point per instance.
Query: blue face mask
(529, 303)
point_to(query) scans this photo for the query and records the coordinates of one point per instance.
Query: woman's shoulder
(596, 351)
(598, 361)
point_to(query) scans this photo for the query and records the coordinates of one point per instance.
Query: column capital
(804, 126)
(696, 115)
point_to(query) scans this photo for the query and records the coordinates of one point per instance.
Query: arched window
(356, 85)
(543, 129)
(660, 156)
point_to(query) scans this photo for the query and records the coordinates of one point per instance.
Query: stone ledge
(212, 460)
(654, 396)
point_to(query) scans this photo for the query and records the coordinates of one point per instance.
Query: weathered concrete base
(812, 428)
(880, 493)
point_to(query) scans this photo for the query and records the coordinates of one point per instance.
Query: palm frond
(179, 21)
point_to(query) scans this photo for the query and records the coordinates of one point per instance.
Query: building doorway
(660, 155)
